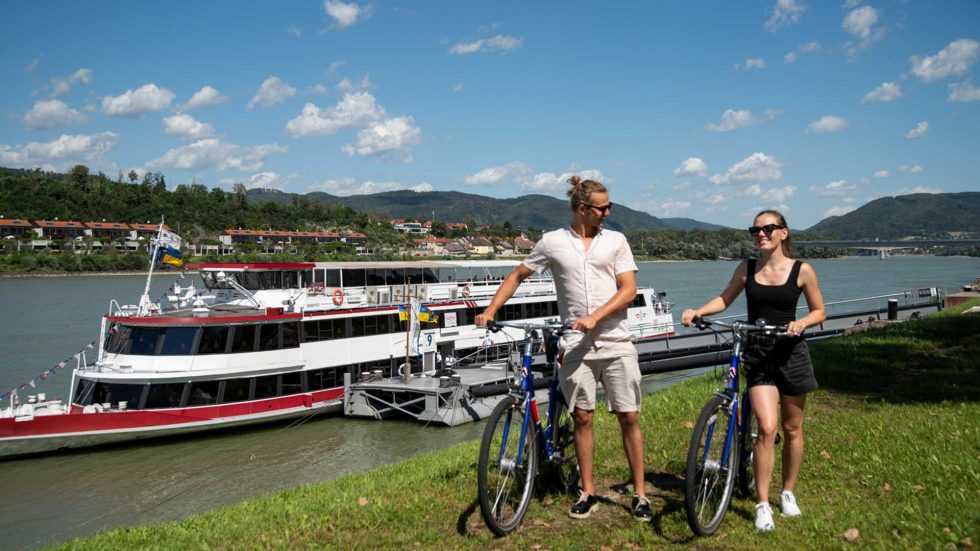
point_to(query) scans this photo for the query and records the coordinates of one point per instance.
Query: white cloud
(660, 207)
(294, 31)
(496, 43)
(549, 181)
(784, 13)
(272, 91)
(32, 65)
(51, 114)
(919, 130)
(315, 89)
(344, 15)
(424, 187)
(809, 47)
(346, 85)
(205, 97)
(732, 119)
(911, 169)
(838, 211)
(458, 88)
(860, 23)
(134, 103)
(827, 123)
(836, 188)
(348, 186)
(212, 153)
(61, 86)
(954, 59)
(692, 166)
(263, 180)
(789, 58)
(776, 194)
(752, 63)
(757, 167)
(917, 189)
(964, 91)
(882, 174)
(886, 92)
(65, 151)
(353, 109)
(514, 171)
(335, 66)
(391, 138)
(186, 127)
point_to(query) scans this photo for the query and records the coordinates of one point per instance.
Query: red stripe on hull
(77, 422)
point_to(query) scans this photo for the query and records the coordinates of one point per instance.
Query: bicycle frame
(731, 394)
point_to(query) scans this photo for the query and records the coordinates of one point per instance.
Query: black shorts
(783, 363)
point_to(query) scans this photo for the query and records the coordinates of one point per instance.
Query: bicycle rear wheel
(710, 474)
(564, 462)
(506, 485)
(746, 465)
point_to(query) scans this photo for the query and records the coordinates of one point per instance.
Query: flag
(402, 313)
(426, 315)
(168, 248)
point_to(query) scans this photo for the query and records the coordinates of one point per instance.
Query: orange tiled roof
(15, 223)
(59, 224)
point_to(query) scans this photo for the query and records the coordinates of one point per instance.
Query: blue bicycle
(723, 440)
(515, 441)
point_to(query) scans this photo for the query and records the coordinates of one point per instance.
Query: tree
(133, 177)
(79, 175)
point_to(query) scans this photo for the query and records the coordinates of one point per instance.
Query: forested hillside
(920, 214)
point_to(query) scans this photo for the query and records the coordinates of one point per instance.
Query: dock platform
(445, 400)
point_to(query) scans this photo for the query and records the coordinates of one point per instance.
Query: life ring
(338, 297)
(466, 291)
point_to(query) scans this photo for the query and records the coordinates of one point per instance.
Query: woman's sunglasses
(768, 229)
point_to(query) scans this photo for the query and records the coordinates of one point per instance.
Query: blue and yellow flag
(402, 312)
(427, 315)
(168, 248)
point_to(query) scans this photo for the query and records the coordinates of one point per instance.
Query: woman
(778, 373)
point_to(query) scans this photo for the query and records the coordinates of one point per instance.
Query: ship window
(322, 378)
(144, 341)
(213, 340)
(165, 395)
(415, 274)
(243, 339)
(290, 280)
(269, 337)
(203, 393)
(266, 387)
(236, 390)
(128, 393)
(333, 278)
(553, 308)
(290, 335)
(118, 338)
(318, 276)
(370, 325)
(536, 309)
(292, 383)
(639, 301)
(178, 341)
(512, 312)
(375, 277)
(429, 276)
(353, 277)
(83, 394)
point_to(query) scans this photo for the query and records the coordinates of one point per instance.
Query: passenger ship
(262, 342)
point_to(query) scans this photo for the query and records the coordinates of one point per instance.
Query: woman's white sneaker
(787, 502)
(763, 518)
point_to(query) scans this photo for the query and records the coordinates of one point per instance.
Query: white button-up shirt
(586, 279)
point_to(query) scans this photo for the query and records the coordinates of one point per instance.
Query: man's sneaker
(641, 509)
(584, 506)
(787, 502)
(763, 518)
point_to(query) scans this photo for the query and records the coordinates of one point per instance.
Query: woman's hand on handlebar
(688, 316)
(795, 328)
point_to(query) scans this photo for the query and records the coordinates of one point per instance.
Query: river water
(50, 499)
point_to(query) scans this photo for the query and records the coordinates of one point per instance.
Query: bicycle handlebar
(740, 326)
(527, 327)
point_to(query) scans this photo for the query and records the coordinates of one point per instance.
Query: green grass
(893, 450)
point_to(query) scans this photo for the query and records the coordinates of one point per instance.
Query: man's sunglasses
(768, 229)
(600, 208)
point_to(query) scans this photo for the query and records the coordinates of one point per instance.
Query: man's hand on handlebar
(482, 319)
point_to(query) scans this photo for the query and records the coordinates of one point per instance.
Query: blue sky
(708, 110)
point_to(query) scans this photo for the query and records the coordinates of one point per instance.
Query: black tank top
(774, 303)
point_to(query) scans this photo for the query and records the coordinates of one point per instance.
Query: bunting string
(43, 376)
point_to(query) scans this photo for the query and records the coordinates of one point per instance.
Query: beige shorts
(617, 369)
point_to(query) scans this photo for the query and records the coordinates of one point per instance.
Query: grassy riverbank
(893, 461)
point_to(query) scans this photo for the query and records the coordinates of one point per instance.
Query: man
(595, 277)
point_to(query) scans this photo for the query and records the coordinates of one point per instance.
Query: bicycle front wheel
(746, 461)
(506, 483)
(710, 473)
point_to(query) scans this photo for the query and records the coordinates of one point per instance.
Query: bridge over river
(883, 246)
